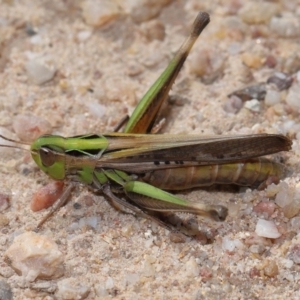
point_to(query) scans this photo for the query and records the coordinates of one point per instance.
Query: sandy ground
(99, 74)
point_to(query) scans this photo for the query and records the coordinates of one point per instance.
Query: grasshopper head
(49, 154)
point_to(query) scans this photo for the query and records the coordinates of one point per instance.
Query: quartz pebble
(258, 12)
(229, 244)
(285, 25)
(208, 64)
(98, 13)
(283, 196)
(29, 127)
(39, 73)
(35, 257)
(253, 105)
(267, 229)
(272, 97)
(293, 97)
(141, 11)
(72, 288)
(292, 209)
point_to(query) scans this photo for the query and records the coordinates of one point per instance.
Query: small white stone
(285, 25)
(84, 35)
(267, 229)
(72, 288)
(272, 97)
(283, 197)
(192, 268)
(254, 12)
(253, 105)
(39, 73)
(294, 224)
(293, 97)
(109, 283)
(287, 263)
(144, 10)
(228, 244)
(35, 256)
(98, 13)
(30, 127)
(96, 109)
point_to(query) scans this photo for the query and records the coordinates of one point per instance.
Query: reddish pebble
(47, 195)
(205, 274)
(254, 272)
(267, 207)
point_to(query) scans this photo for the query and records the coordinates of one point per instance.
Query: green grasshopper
(132, 169)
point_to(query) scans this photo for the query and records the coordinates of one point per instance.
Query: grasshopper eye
(48, 158)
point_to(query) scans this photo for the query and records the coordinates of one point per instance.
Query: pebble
(84, 35)
(109, 283)
(229, 244)
(294, 254)
(39, 73)
(271, 269)
(272, 97)
(192, 268)
(141, 11)
(208, 64)
(30, 127)
(257, 91)
(154, 30)
(47, 195)
(4, 220)
(35, 257)
(233, 104)
(258, 12)
(294, 224)
(252, 60)
(4, 201)
(96, 109)
(267, 229)
(253, 105)
(292, 209)
(283, 196)
(258, 249)
(72, 288)
(293, 97)
(291, 64)
(91, 222)
(98, 13)
(286, 25)
(265, 207)
(281, 80)
(5, 291)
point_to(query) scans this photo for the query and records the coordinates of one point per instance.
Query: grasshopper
(133, 169)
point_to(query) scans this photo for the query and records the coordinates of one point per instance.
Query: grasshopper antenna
(20, 145)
